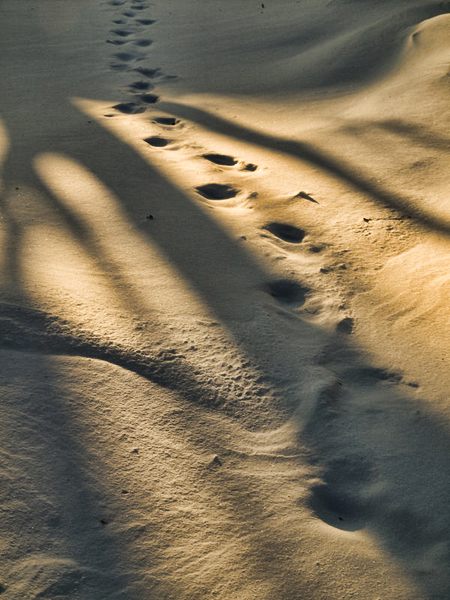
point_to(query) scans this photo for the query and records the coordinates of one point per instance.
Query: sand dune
(223, 314)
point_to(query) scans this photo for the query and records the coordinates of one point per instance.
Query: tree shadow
(233, 286)
(418, 134)
(187, 235)
(308, 153)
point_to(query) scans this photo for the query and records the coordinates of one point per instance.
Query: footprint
(119, 67)
(143, 43)
(146, 21)
(345, 325)
(125, 56)
(119, 22)
(336, 501)
(116, 2)
(138, 7)
(121, 32)
(217, 191)
(157, 142)
(149, 98)
(221, 159)
(336, 509)
(287, 233)
(287, 291)
(250, 167)
(129, 108)
(116, 42)
(141, 86)
(166, 121)
(128, 13)
(150, 73)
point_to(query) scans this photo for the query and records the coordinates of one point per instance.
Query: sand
(224, 330)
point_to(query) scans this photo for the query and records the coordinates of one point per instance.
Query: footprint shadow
(129, 108)
(145, 21)
(157, 142)
(221, 159)
(217, 191)
(337, 501)
(336, 509)
(149, 98)
(288, 292)
(285, 232)
(143, 43)
(167, 121)
(141, 86)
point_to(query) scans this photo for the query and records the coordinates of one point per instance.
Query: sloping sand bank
(224, 328)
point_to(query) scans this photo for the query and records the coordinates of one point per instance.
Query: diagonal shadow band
(226, 277)
(187, 235)
(306, 152)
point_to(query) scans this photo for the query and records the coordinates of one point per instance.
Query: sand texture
(224, 300)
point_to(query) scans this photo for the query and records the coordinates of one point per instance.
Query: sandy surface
(224, 327)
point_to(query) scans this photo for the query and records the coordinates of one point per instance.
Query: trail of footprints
(287, 292)
(337, 500)
(128, 34)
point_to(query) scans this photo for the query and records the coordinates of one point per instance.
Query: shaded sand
(224, 300)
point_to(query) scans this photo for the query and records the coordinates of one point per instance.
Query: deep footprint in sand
(129, 108)
(288, 292)
(125, 56)
(116, 42)
(118, 67)
(157, 142)
(121, 32)
(336, 509)
(150, 73)
(149, 98)
(346, 326)
(287, 233)
(145, 21)
(141, 86)
(217, 191)
(168, 121)
(143, 43)
(336, 500)
(221, 159)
